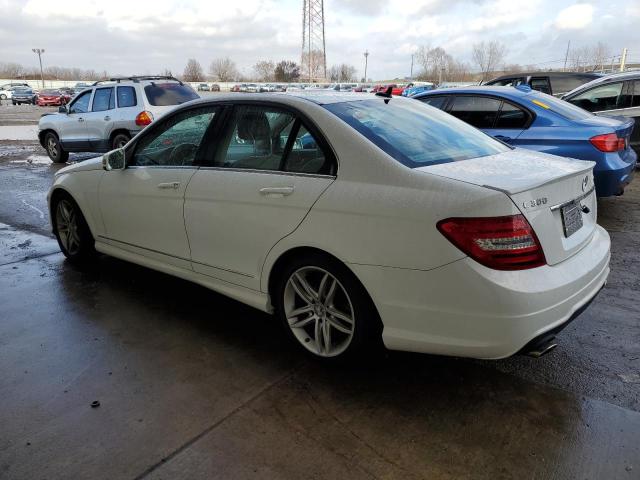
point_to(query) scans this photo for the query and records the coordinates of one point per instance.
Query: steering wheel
(184, 154)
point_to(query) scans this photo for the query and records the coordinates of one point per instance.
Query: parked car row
(205, 87)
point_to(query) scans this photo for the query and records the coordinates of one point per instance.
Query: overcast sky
(147, 36)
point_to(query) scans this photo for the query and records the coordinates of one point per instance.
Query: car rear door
(634, 112)
(511, 121)
(142, 205)
(267, 171)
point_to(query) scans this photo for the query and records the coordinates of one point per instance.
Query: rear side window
(635, 102)
(103, 100)
(305, 155)
(164, 94)
(126, 97)
(437, 101)
(541, 84)
(562, 84)
(507, 82)
(511, 117)
(480, 112)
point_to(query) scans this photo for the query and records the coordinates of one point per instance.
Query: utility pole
(366, 56)
(440, 69)
(40, 51)
(411, 74)
(566, 56)
(623, 60)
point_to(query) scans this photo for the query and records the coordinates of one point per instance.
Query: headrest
(253, 126)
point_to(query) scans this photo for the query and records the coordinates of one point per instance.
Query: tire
(334, 320)
(120, 140)
(54, 150)
(71, 230)
(14, 103)
(3, 97)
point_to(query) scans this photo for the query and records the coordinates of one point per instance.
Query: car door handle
(81, 119)
(281, 191)
(168, 185)
(107, 118)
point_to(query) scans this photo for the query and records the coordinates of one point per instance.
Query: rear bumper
(465, 309)
(613, 179)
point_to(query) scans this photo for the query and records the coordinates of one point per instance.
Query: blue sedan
(529, 119)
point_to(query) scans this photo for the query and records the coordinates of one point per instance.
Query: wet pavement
(194, 385)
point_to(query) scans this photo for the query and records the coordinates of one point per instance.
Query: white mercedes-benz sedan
(353, 218)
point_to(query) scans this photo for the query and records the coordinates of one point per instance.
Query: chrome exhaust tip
(542, 350)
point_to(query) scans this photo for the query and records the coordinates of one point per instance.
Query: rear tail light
(609, 142)
(501, 243)
(144, 118)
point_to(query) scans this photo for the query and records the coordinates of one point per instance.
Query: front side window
(414, 134)
(437, 101)
(164, 94)
(103, 100)
(81, 104)
(256, 138)
(126, 97)
(176, 141)
(598, 99)
(480, 112)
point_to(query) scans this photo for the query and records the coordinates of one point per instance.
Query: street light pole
(40, 51)
(366, 57)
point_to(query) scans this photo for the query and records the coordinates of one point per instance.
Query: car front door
(72, 128)
(98, 120)
(268, 170)
(142, 205)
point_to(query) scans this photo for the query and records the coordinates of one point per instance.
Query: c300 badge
(538, 202)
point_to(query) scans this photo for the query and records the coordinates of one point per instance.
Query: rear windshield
(562, 108)
(416, 134)
(163, 94)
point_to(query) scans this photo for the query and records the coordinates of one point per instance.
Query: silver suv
(108, 114)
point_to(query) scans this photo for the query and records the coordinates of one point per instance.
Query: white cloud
(575, 17)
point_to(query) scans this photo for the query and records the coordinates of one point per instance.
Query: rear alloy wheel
(72, 231)
(3, 97)
(325, 309)
(120, 140)
(54, 149)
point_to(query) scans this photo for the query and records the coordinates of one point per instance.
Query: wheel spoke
(339, 315)
(326, 335)
(328, 299)
(302, 323)
(318, 336)
(338, 327)
(300, 311)
(323, 285)
(302, 288)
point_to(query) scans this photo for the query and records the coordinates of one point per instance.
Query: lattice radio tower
(313, 58)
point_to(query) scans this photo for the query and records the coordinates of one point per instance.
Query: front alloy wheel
(67, 227)
(319, 311)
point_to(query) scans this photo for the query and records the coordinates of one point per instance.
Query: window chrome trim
(273, 172)
(173, 167)
(577, 199)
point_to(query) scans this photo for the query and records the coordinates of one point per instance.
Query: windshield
(561, 107)
(414, 133)
(164, 94)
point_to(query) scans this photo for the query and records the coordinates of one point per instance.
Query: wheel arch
(58, 192)
(43, 133)
(118, 131)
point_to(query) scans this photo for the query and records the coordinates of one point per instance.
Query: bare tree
(313, 65)
(193, 71)
(600, 53)
(286, 71)
(223, 70)
(488, 55)
(438, 66)
(264, 70)
(579, 58)
(342, 73)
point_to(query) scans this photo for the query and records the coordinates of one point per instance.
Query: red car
(235, 88)
(52, 97)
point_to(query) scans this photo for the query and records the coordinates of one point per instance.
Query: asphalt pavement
(193, 385)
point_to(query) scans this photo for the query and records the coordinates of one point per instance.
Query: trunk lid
(556, 195)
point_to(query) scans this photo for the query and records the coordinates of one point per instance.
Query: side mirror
(114, 160)
(62, 109)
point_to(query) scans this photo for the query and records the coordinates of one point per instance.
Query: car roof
(292, 98)
(507, 92)
(548, 74)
